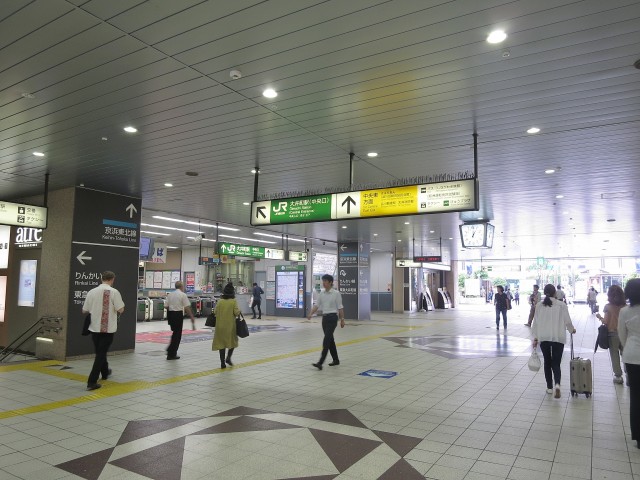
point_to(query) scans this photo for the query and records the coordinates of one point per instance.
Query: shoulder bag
(242, 330)
(534, 361)
(211, 320)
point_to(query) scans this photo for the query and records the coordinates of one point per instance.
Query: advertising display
(189, 283)
(3, 296)
(5, 236)
(27, 285)
(455, 196)
(290, 290)
(324, 263)
(159, 253)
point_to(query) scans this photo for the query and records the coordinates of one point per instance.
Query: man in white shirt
(560, 295)
(105, 304)
(330, 304)
(177, 304)
(534, 299)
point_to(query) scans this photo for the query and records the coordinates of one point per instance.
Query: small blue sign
(378, 374)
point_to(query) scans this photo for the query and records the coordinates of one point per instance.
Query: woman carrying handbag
(225, 336)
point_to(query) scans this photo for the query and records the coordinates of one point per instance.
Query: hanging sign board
(250, 251)
(456, 196)
(427, 259)
(297, 256)
(22, 215)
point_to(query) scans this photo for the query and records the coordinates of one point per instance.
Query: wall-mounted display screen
(3, 296)
(287, 294)
(27, 287)
(146, 248)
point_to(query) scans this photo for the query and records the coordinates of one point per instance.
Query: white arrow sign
(81, 258)
(131, 209)
(343, 248)
(379, 374)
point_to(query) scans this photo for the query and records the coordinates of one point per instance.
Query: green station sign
(240, 250)
(315, 208)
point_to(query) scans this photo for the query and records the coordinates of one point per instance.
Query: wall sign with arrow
(456, 196)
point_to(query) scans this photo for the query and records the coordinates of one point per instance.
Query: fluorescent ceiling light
(399, 240)
(372, 154)
(533, 130)
(277, 236)
(344, 226)
(375, 234)
(270, 93)
(407, 223)
(559, 196)
(155, 233)
(188, 222)
(169, 228)
(172, 248)
(497, 36)
(549, 170)
(38, 154)
(168, 184)
(130, 129)
(432, 231)
(247, 239)
(246, 203)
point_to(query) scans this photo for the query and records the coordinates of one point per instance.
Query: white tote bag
(534, 361)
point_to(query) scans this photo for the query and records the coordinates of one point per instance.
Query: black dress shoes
(229, 362)
(333, 364)
(93, 386)
(317, 365)
(109, 372)
(175, 357)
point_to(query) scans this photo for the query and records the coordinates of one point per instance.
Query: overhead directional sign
(297, 256)
(456, 196)
(23, 215)
(250, 251)
(427, 259)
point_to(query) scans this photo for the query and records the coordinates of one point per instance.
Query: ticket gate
(196, 306)
(143, 313)
(157, 309)
(208, 304)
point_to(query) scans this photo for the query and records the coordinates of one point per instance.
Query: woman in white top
(629, 333)
(550, 320)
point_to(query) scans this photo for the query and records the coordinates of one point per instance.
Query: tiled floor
(463, 405)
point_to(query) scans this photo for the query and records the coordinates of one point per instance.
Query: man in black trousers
(256, 300)
(330, 304)
(177, 304)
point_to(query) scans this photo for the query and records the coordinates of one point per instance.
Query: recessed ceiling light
(246, 203)
(372, 154)
(188, 222)
(375, 234)
(399, 240)
(497, 36)
(270, 93)
(450, 238)
(559, 196)
(168, 184)
(242, 238)
(130, 129)
(344, 226)
(38, 154)
(104, 139)
(253, 170)
(533, 130)
(407, 223)
(432, 231)
(549, 170)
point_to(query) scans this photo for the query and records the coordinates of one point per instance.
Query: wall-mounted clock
(477, 235)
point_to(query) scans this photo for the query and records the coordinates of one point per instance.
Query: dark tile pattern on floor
(401, 470)
(245, 424)
(241, 411)
(341, 416)
(466, 346)
(89, 467)
(401, 444)
(163, 462)
(343, 450)
(137, 429)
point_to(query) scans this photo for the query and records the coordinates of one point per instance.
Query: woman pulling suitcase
(550, 320)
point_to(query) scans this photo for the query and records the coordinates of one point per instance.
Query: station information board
(427, 259)
(455, 196)
(252, 251)
(23, 215)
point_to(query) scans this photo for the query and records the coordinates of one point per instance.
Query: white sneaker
(557, 391)
(549, 391)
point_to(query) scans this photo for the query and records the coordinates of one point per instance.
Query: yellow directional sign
(389, 201)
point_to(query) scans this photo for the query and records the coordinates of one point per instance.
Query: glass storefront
(240, 273)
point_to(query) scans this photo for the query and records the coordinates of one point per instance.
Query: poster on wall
(287, 294)
(166, 280)
(3, 296)
(189, 283)
(159, 253)
(175, 277)
(148, 280)
(5, 237)
(27, 287)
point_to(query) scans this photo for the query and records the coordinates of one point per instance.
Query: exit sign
(428, 259)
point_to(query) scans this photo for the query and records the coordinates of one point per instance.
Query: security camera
(235, 74)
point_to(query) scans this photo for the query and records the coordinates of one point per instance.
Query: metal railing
(43, 324)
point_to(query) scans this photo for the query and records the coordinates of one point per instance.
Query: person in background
(629, 332)
(177, 304)
(534, 299)
(225, 336)
(500, 301)
(551, 318)
(560, 294)
(330, 304)
(516, 297)
(256, 300)
(105, 304)
(615, 295)
(592, 299)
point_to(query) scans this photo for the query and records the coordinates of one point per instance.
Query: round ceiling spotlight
(168, 184)
(38, 154)
(270, 93)
(246, 203)
(550, 170)
(559, 196)
(497, 36)
(533, 130)
(372, 154)
(130, 129)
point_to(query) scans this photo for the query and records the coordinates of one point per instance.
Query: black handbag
(603, 338)
(242, 330)
(211, 320)
(85, 325)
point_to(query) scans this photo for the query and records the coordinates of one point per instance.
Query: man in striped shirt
(104, 303)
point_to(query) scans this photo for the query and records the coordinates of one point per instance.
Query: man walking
(105, 304)
(534, 299)
(177, 304)
(256, 300)
(330, 304)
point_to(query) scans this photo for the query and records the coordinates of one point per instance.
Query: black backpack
(603, 338)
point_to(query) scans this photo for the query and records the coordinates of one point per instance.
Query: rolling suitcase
(581, 375)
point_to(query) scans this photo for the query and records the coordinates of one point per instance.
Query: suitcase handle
(572, 356)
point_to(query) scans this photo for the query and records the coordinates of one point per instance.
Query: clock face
(490, 231)
(472, 234)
